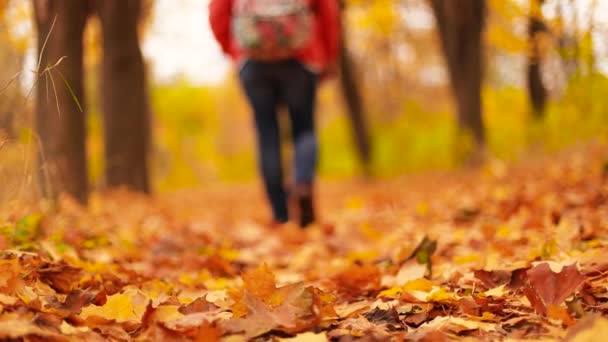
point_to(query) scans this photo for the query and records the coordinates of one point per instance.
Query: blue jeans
(267, 85)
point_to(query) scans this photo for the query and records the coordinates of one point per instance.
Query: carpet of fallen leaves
(503, 252)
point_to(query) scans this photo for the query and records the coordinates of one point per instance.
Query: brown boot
(305, 205)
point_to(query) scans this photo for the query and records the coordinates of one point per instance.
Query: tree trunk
(124, 95)
(354, 104)
(60, 120)
(537, 92)
(460, 24)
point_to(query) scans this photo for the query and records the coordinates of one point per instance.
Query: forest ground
(509, 250)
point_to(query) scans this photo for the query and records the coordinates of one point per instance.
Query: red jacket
(320, 54)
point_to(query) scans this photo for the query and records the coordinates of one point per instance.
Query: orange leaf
(560, 313)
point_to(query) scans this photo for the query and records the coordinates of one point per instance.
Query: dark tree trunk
(461, 24)
(60, 121)
(124, 95)
(536, 88)
(354, 103)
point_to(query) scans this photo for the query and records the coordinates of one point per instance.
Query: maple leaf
(359, 327)
(198, 305)
(358, 280)
(121, 307)
(10, 280)
(546, 287)
(261, 282)
(295, 314)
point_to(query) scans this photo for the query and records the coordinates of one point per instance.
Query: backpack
(271, 30)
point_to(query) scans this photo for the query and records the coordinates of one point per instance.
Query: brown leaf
(10, 280)
(378, 315)
(62, 278)
(358, 280)
(295, 314)
(208, 333)
(198, 305)
(550, 288)
(73, 304)
(492, 279)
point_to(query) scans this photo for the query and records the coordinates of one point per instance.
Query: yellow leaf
(496, 292)
(422, 209)
(421, 284)
(393, 292)
(369, 232)
(354, 203)
(166, 313)
(186, 279)
(440, 295)
(466, 259)
(503, 232)
(306, 337)
(122, 307)
(488, 316)
(363, 255)
(228, 254)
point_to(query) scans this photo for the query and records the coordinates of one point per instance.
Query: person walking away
(282, 49)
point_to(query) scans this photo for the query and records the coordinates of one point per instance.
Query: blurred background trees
(60, 106)
(460, 25)
(423, 85)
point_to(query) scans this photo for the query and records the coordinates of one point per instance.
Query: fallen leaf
(10, 280)
(358, 280)
(198, 305)
(62, 277)
(306, 337)
(121, 307)
(295, 314)
(561, 314)
(550, 288)
(20, 327)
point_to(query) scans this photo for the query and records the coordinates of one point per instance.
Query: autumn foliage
(515, 251)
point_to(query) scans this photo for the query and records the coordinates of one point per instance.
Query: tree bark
(537, 92)
(460, 25)
(354, 103)
(60, 120)
(124, 95)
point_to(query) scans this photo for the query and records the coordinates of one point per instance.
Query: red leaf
(549, 288)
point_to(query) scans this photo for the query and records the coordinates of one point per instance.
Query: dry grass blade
(46, 40)
(8, 84)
